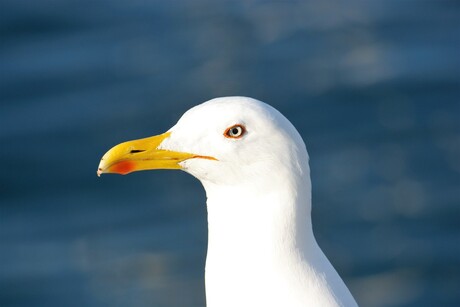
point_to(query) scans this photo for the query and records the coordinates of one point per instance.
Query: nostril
(136, 151)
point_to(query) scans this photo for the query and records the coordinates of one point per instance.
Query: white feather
(261, 247)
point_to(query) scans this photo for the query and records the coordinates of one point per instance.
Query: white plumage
(261, 247)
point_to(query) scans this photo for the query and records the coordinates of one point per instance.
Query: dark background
(372, 86)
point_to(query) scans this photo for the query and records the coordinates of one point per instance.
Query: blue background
(373, 87)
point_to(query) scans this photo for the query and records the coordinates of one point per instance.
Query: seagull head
(228, 141)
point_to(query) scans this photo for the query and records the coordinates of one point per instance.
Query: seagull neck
(274, 221)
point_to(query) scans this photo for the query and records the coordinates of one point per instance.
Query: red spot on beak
(123, 167)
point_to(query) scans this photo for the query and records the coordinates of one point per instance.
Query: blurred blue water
(373, 87)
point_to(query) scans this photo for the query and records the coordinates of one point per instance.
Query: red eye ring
(235, 132)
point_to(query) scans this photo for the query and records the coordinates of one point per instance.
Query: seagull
(253, 164)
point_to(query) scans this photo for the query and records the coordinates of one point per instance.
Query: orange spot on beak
(123, 167)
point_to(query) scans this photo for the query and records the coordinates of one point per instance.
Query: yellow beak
(142, 154)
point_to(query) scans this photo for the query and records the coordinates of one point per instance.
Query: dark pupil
(235, 131)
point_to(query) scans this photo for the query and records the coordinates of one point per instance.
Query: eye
(235, 132)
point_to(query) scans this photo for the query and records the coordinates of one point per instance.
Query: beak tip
(99, 172)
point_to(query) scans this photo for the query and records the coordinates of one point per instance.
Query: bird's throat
(255, 240)
(268, 225)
